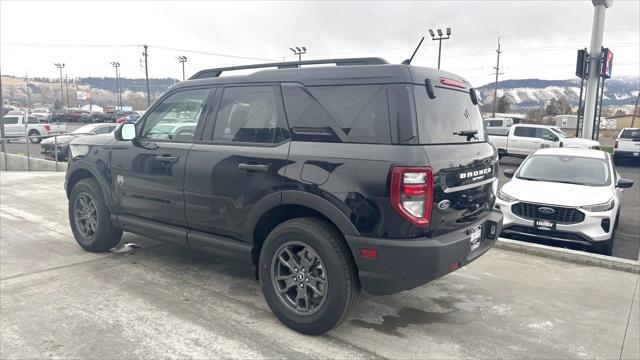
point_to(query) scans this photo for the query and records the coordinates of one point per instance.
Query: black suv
(325, 178)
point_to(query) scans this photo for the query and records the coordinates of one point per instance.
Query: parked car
(18, 125)
(498, 126)
(41, 113)
(627, 144)
(48, 146)
(523, 139)
(131, 119)
(71, 116)
(565, 195)
(379, 177)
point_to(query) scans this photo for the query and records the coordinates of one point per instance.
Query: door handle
(253, 167)
(167, 158)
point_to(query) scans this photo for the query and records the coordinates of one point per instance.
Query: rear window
(450, 112)
(8, 120)
(630, 134)
(493, 123)
(345, 113)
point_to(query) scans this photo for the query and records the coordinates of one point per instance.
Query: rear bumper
(626, 153)
(406, 264)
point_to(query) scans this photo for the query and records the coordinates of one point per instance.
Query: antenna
(408, 61)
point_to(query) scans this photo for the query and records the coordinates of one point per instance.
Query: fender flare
(83, 164)
(293, 197)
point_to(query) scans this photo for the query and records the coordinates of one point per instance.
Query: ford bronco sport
(325, 178)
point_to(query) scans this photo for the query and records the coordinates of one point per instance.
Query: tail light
(47, 127)
(615, 145)
(412, 193)
(453, 83)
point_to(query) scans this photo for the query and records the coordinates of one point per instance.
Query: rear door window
(250, 114)
(450, 112)
(344, 113)
(10, 120)
(525, 131)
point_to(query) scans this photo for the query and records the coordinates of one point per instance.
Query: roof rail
(209, 73)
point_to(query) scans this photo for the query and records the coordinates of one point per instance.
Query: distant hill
(530, 93)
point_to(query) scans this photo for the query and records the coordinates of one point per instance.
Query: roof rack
(209, 73)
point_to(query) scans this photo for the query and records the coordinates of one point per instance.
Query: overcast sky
(539, 38)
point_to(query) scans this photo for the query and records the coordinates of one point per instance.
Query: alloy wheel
(299, 278)
(86, 215)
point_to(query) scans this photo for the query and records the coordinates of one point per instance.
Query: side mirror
(125, 132)
(624, 183)
(509, 173)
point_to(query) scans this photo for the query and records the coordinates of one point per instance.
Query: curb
(574, 256)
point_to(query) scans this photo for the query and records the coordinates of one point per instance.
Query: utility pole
(26, 76)
(116, 65)
(635, 110)
(66, 83)
(60, 66)
(146, 74)
(182, 59)
(495, 91)
(595, 57)
(299, 52)
(4, 152)
(439, 39)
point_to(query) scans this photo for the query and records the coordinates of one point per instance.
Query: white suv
(627, 144)
(563, 194)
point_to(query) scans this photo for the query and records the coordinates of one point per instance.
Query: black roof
(345, 71)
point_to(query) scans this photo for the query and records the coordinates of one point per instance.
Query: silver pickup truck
(523, 139)
(19, 125)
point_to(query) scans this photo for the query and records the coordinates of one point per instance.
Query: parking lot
(627, 243)
(18, 146)
(165, 301)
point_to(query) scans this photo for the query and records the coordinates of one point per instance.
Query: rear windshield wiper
(470, 134)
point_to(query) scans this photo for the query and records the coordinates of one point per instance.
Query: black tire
(34, 140)
(105, 236)
(342, 285)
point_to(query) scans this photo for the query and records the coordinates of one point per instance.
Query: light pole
(439, 39)
(595, 56)
(298, 51)
(182, 59)
(116, 65)
(60, 66)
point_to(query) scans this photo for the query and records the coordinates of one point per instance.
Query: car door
(240, 161)
(546, 138)
(523, 140)
(147, 173)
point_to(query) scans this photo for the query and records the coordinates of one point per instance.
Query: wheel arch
(81, 170)
(275, 209)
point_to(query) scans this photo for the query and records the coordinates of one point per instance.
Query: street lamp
(182, 59)
(60, 66)
(299, 52)
(116, 65)
(439, 39)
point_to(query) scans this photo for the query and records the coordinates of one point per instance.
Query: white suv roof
(588, 153)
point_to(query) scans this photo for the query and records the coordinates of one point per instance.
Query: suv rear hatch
(465, 168)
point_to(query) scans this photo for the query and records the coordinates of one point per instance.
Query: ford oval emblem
(444, 204)
(546, 210)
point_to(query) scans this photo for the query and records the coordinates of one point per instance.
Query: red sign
(607, 63)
